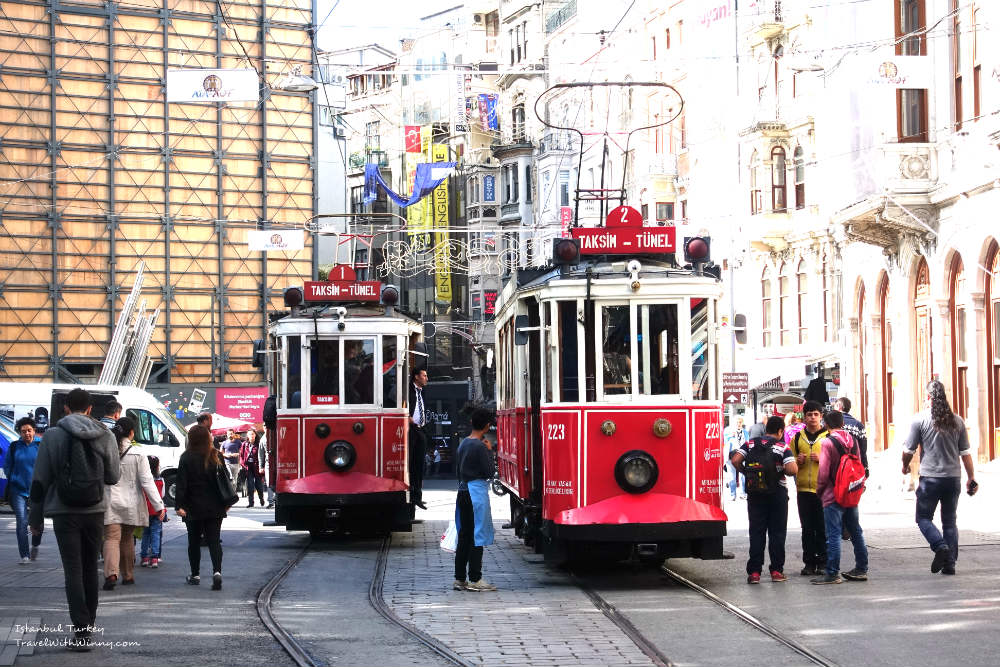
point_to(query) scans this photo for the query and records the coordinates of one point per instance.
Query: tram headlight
(636, 472)
(340, 455)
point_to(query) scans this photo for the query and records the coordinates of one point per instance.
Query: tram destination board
(338, 290)
(628, 240)
(735, 388)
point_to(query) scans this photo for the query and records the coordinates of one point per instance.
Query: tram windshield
(700, 350)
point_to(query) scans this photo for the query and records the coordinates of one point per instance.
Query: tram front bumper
(645, 517)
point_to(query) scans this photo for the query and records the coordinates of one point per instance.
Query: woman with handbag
(126, 508)
(202, 501)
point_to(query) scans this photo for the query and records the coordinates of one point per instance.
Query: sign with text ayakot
(213, 85)
(265, 240)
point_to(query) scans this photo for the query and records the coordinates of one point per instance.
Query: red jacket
(159, 487)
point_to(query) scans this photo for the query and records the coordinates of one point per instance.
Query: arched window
(785, 303)
(778, 192)
(863, 332)
(765, 300)
(755, 199)
(959, 358)
(993, 345)
(801, 286)
(827, 304)
(922, 321)
(800, 177)
(885, 359)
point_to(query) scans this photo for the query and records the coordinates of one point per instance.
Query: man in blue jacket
(474, 466)
(18, 467)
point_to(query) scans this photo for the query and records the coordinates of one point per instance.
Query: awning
(777, 373)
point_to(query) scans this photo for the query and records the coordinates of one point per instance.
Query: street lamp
(296, 82)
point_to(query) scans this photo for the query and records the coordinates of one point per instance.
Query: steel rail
(292, 647)
(377, 601)
(625, 625)
(751, 620)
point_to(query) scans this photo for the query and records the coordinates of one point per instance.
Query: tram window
(700, 350)
(569, 374)
(616, 349)
(293, 392)
(325, 372)
(390, 371)
(359, 371)
(658, 367)
(548, 343)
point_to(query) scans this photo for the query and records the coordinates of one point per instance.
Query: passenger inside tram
(617, 351)
(359, 371)
(325, 368)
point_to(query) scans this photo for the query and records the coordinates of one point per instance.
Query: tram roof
(357, 319)
(609, 270)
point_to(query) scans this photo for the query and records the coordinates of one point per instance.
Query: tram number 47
(557, 431)
(712, 431)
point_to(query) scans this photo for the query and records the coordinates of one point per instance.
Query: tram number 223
(712, 431)
(557, 431)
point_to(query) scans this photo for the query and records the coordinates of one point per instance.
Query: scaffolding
(98, 173)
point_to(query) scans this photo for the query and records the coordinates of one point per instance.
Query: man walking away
(765, 462)
(77, 504)
(474, 466)
(806, 446)
(838, 443)
(855, 428)
(418, 436)
(943, 440)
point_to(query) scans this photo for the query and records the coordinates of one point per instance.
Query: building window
(664, 211)
(527, 184)
(785, 303)
(524, 44)
(505, 173)
(510, 38)
(863, 331)
(923, 337)
(755, 198)
(517, 123)
(473, 190)
(766, 306)
(956, 57)
(886, 359)
(778, 190)
(800, 177)
(802, 286)
(959, 358)
(911, 17)
(684, 136)
(666, 39)
(515, 191)
(993, 346)
(684, 210)
(564, 187)
(827, 304)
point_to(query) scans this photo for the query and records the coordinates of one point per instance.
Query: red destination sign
(626, 240)
(623, 216)
(335, 290)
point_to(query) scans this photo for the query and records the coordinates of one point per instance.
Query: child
(153, 533)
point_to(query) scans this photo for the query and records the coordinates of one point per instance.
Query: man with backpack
(840, 483)
(77, 458)
(765, 462)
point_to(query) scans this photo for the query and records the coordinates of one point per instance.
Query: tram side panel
(561, 458)
(514, 450)
(708, 458)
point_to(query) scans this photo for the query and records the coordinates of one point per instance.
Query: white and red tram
(339, 369)
(608, 403)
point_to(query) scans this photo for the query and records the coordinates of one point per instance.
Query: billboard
(442, 269)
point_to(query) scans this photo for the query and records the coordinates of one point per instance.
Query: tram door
(534, 391)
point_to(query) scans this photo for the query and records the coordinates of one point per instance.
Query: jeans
(813, 529)
(467, 554)
(19, 504)
(152, 536)
(930, 492)
(838, 518)
(738, 480)
(212, 528)
(79, 538)
(254, 483)
(768, 515)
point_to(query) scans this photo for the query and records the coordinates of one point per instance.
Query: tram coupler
(644, 550)
(332, 512)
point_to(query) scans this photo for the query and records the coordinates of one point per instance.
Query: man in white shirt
(418, 436)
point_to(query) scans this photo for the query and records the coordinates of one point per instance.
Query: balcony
(768, 22)
(662, 166)
(358, 160)
(555, 142)
(556, 19)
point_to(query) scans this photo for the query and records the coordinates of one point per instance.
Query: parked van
(157, 430)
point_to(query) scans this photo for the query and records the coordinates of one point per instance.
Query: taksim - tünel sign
(335, 290)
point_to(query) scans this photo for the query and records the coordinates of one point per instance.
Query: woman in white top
(127, 507)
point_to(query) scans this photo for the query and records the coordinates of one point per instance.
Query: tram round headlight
(339, 455)
(636, 472)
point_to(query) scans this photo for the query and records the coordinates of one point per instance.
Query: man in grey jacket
(79, 530)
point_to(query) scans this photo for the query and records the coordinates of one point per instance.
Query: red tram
(339, 373)
(609, 413)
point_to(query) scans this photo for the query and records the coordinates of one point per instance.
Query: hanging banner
(411, 137)
(489, 188)
(458, 112)
(442, 269)
(212, 85)
(896, 71)
(276, 239)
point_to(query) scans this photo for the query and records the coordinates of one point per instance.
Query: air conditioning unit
(477, 18)
(339, 133)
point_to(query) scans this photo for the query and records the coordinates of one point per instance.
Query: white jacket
(127, 498)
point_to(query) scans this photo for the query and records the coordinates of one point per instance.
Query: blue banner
(428, 176)
(489, 188)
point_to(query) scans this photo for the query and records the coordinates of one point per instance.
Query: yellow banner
(442, 269)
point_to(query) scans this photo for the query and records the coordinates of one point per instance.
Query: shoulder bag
(224, 486)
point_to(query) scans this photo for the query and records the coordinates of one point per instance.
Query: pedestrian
(838, 443)
(152, 535)
(436, 464)
(944, 443)
(76, 504)
(474, 465)
(735, 438)
(204, 419)
(18, 466)
(231, 453)
(806, 446)
(126, 509)
(793, 424)
(250, 464)
(265, 469)
(417, 435)
(199, 502)
(767, 497)
(854, 427)
(758, 429)
(112, 411)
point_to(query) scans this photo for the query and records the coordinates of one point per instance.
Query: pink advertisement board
(245, 403)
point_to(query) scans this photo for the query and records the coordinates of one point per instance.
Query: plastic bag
(449, 540)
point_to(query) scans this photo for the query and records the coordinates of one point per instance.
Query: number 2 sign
(623, 216)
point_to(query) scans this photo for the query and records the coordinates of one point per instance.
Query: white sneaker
(25, 560)
(460, 585)
(482, 585)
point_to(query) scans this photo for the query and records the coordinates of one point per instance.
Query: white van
(157, 430)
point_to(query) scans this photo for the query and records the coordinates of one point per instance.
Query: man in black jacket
(79, 530)
(418, 436)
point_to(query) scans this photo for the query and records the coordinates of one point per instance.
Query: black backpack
(759, 467)
(80, 478)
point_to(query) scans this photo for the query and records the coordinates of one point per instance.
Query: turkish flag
(411, 133)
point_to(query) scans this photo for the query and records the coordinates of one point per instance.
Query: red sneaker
(753, 578)
(145, 562)
(777, 577)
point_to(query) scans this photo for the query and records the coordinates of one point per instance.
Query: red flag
(411, 134)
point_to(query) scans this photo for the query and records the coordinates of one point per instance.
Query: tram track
(292, 646)
(622, 623)
(754, 622)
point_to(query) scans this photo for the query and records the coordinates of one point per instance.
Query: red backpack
(849, 482)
